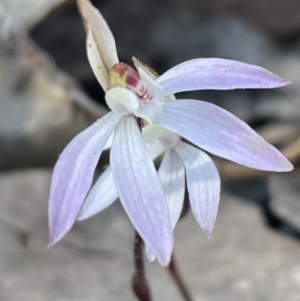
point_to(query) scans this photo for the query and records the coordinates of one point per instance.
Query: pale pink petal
(102, 195)
(217, 74)
(203, 183)
(104, 191)
(101, 33)
(73, 175)
(139, 189)
(172, 178)
(221, 133)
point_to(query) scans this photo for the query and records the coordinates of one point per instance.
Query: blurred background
(48, 94)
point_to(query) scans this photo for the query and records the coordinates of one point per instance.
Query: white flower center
(131, 94)
(155, 132)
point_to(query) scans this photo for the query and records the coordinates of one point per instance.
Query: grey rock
(187, 34)
(167, 35)
(41, 108)
(279, 17)
(243, 261)
(285, 192)
(26, 13)
(284, 105)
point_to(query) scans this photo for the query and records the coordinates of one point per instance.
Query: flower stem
(174, 272)
(139, 282)
(173, 269)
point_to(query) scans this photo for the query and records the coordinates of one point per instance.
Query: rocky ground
(244, 260)
(48, 94)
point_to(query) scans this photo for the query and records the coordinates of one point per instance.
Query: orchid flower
(140, 100)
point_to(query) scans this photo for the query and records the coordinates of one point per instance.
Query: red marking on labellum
(132, 81)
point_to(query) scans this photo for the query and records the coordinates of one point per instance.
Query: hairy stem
(139, 282)
(174, 272)
(173, 269)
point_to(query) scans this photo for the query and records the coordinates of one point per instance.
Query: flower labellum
(123, 75)
(153, 200)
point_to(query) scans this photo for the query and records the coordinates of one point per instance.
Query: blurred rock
(165, 36)
(287, 105)
(41, 108)
(280, 17)
(185, 34)
(285, 192)
(169, 34)
(280, 133)
(26, 13)
(243, 261)
(23, 209)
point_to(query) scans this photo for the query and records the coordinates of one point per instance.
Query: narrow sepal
(73, 175)
(102, 195)
(221, 133)
(172, 178)
(203, 183)
(101, 45)
(139, 189)
(217, 74)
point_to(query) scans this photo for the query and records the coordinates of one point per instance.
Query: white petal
(203, 183)
(149, 111)
(139, 189)
(102, 195)
(154, 132)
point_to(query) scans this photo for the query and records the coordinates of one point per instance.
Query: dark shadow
(256, 190)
